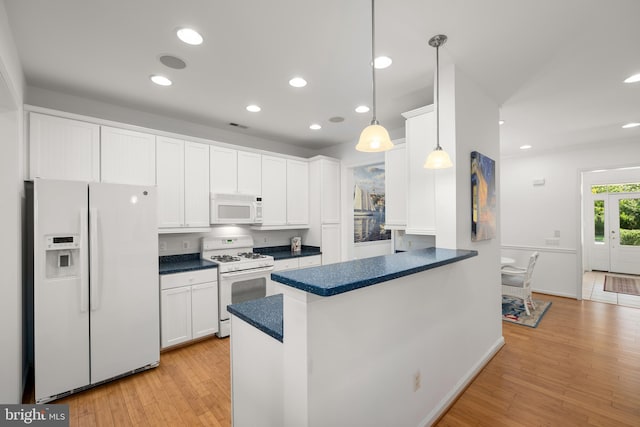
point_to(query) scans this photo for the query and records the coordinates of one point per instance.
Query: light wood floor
(580, 367)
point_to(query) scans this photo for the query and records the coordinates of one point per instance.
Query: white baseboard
(554, 293)
(459, 388)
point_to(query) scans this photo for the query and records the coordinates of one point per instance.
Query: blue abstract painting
(483, 197)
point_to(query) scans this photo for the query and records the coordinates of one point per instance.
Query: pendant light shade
(438, 159)
(374, 138)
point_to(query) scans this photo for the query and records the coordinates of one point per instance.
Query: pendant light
(374, 138)
(438, 159)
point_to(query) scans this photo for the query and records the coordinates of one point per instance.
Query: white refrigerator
(94, 292)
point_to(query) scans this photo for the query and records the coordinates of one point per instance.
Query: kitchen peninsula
(375, 342)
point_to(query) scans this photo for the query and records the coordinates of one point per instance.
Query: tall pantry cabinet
(324, 208)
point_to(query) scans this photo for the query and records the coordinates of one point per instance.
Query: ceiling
(555, 68)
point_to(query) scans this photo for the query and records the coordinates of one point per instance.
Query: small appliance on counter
(296, 245)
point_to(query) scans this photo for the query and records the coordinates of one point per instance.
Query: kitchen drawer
(286, 264)
(310, 261)
(169, 281)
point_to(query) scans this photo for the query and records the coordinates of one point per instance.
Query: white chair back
(532, 263)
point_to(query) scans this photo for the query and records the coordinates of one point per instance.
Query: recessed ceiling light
(160, 80)
(630, 125)
(253, 108)
(315, 126)
(633, 79)
(525, 147)
(298, 82)
(500, 122)
(382, 62)
(189, 36)
(362, 109)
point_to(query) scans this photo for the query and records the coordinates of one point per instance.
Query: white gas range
(242, 274)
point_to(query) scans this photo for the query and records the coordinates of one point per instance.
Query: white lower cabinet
(175, 327)
(291, 264)
(189, 306)
(330, 244)
(204, 320)
(297, 262)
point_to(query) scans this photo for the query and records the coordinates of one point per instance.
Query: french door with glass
(616, 238)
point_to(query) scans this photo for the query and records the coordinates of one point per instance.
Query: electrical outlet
(556, 233)
(417, 381)
(186, 244)
(409, 243)
(163, 246)
(265, 240)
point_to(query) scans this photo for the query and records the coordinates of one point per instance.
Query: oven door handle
(246, 272)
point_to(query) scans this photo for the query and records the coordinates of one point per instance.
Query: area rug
(622, 285)
(513, 311)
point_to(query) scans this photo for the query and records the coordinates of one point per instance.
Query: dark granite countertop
(170, 264)
(264, 313)
(334, 279)
(284, 252)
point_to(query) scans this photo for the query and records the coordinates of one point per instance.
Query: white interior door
(624, 232)
(124, 297)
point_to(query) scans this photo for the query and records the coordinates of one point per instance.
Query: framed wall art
(483, 197)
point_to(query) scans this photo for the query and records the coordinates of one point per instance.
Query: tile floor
(593, 289)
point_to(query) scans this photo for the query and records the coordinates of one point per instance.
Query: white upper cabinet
(297, 192)
(249, 173)
(127, 157)
(395, 182)
(170, 182)
(420, 140)
(196, 184)
(182, 176)
(274, 191)
(223, 170)
(234, 171)
(63, 148)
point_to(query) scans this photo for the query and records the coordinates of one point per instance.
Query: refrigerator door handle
(84, 268)
(94, 264)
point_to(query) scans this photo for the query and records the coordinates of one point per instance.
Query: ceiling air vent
(238, 126)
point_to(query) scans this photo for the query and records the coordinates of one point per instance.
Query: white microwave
(236, 209)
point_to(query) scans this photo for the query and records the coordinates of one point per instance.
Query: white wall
(11, 194)
(102, 110)
(531, 215)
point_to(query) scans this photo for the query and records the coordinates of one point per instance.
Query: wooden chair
(516, 281)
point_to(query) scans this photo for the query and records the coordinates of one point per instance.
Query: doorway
(613, 238)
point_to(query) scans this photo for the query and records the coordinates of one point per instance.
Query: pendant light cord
(438, 98)
(374, 121)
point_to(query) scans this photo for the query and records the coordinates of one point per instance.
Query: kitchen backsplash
(186, 243)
